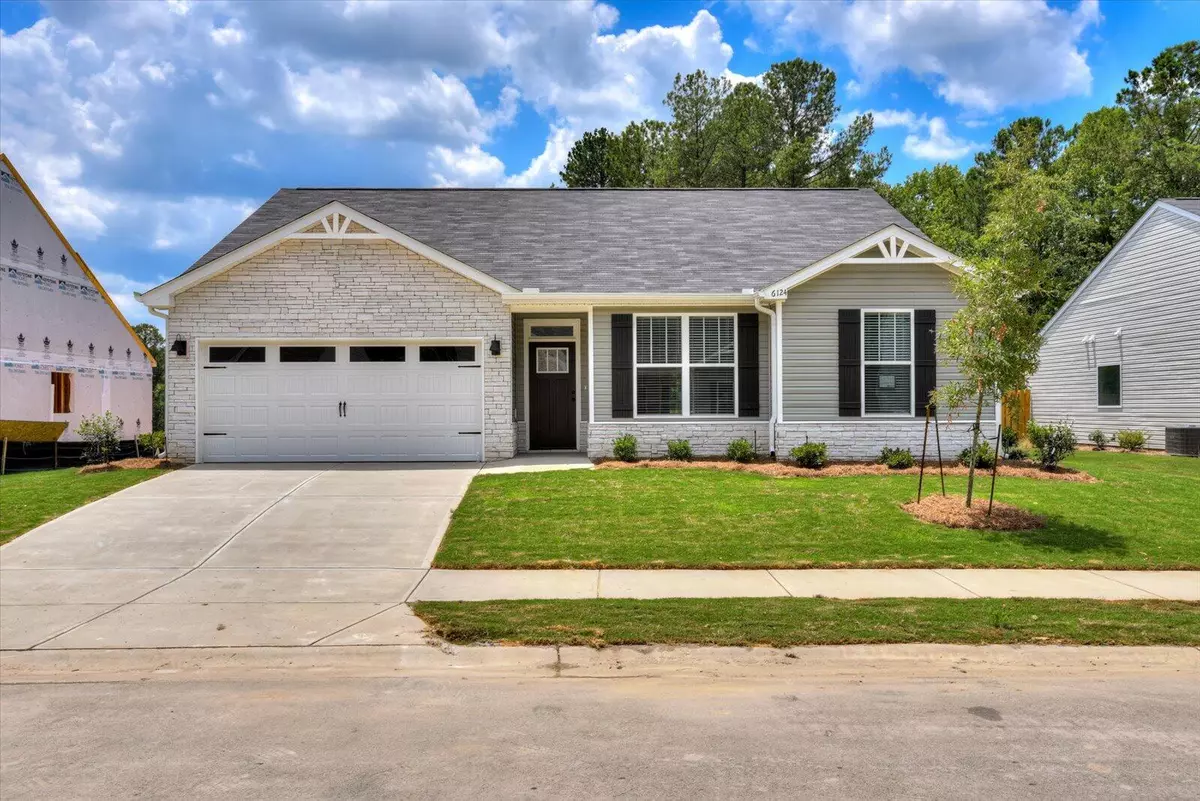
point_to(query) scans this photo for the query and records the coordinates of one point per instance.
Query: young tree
(993, 339)
(749, 137)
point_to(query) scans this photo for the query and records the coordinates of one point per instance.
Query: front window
(1108, 385)
(686, 365)
(887, 362)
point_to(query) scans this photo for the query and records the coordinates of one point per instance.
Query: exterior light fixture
(179, 347)
(495, 348)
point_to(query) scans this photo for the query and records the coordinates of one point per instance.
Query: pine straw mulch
(840, 469)
(951, 511)
(133, 463)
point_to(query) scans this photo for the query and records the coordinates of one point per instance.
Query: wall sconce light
(495, 348)
(179, 347)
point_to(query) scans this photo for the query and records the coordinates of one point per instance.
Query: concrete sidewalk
(487, 585)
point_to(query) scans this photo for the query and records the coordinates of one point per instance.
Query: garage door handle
(342, 409)
(215, 434)
(461, 433)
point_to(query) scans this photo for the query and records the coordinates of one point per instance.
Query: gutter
(775, 388)
(166, 367)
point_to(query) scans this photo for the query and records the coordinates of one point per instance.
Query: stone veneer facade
(339, 290)
(706, 438)
(846, 440)
(863, 439)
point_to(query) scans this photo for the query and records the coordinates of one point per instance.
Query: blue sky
(150, 129)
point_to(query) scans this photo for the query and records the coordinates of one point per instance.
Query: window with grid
(553, 360)
(887, 363)
(685, 365)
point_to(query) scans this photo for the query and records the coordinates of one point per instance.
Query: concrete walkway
(485, 585)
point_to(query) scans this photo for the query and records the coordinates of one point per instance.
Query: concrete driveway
(229, 555)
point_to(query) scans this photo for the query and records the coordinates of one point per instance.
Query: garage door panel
(255, 416)
(391, 414)
(394, 411)
(221, 415)
(250, 386)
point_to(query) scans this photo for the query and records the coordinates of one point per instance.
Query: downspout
(774, 382)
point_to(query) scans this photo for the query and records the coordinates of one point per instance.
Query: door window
(377, 353)
(553, 360)
(236, 354)
(447, 353)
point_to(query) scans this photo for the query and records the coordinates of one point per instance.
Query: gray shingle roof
(1191, 204)
(715, 240)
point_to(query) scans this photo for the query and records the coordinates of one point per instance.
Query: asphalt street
(271, 734)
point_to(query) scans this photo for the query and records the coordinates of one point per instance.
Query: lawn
(29, 499)
(1142, 514)
(786, 622)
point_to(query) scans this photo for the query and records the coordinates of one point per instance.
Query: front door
(552, 396)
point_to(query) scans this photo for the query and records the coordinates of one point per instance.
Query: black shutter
(924, 357)
(849, 363)
(747, 359)
(622, 366)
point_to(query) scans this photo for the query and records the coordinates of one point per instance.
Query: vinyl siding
(1151, 291)
(602, 383)
(810, 336)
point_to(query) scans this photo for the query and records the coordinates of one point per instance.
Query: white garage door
(341, 402)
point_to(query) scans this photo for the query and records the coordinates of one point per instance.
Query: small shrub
(152, 442)
(1131, 439)
(1052, 443)
(896, 458)
(813, 455)
(625, 448)
(985, 459)
(1008, 438)
(101, 434)
(1016, 453)
(740, 450)
(1099, 439)
(679, 450)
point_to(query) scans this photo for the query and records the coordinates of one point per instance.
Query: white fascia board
(1157, 205)
(942, 258)
(520, 301)
(161, 295)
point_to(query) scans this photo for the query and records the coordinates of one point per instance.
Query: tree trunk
(974, 448)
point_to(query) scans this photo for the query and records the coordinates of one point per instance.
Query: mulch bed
(839, 469)
(951, 511)
(143, 463)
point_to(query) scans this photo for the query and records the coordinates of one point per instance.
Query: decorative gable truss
(891, 245)
(339, 225)
(335, 221)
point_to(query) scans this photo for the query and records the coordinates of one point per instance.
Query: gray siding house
(398, 324)
(1123, 351)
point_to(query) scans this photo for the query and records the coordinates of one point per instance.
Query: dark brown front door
(551, 395)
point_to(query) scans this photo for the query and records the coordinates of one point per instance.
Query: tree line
(1053, 198)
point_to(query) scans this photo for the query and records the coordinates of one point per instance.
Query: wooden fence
(1015, 411)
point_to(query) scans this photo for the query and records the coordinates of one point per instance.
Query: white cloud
(231, 34)
(980, 55)
(469, 166)
(121, 288)
(246, 159)
(544, 168)
(929, 138)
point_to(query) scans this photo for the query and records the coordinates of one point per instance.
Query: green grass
(1141, 515)
(785, 622)
(29, 499)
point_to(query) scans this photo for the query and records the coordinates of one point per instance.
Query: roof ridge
(577, 189)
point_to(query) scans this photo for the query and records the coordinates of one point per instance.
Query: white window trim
(1120, 386)
(685, 367)
(911, 362)
(530, 322)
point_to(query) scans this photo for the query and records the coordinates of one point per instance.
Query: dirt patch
(951, 511)
(840, 469)
(143, 463)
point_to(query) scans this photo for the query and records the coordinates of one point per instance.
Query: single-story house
(468, 324)
(1122, 352)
